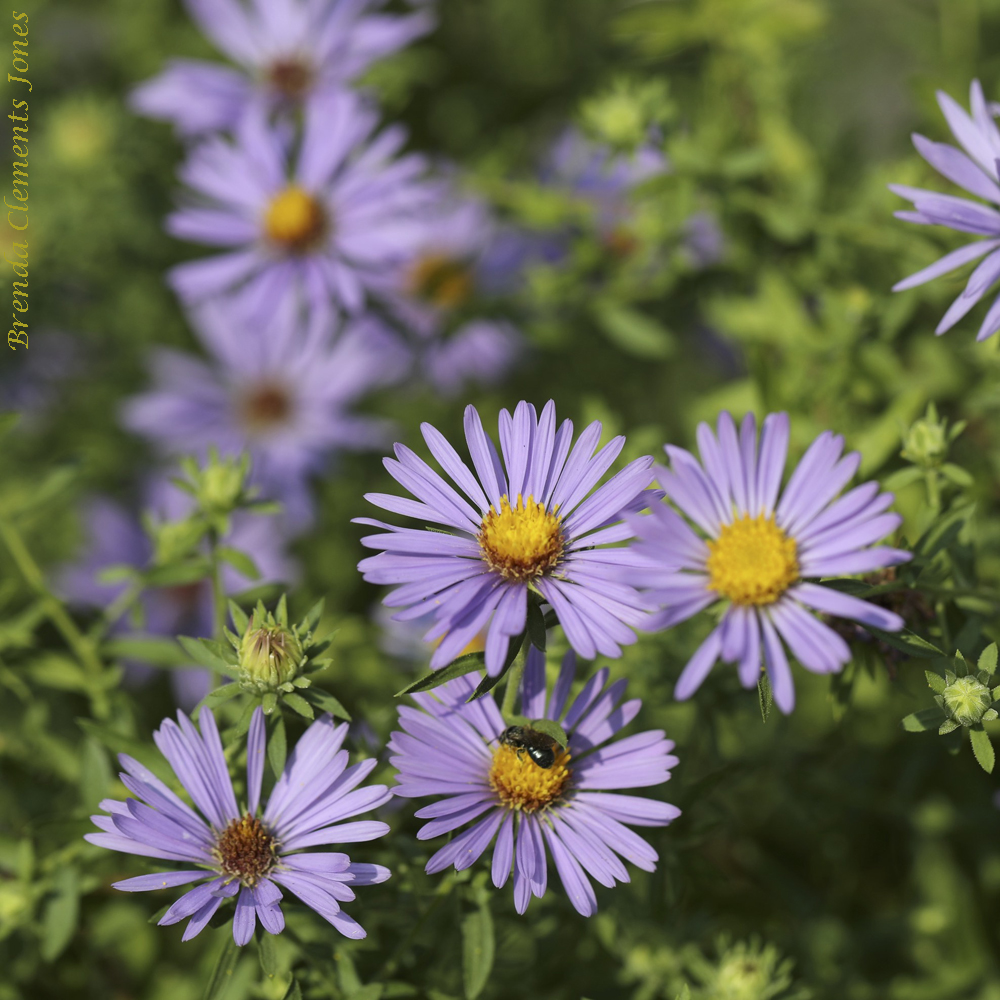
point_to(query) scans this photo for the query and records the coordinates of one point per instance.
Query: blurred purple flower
(287, 51)
(450, 747)
(237, 850)
(326, 229)
(537, 524)
(977, 173)
(280, 390)
(114, 537)
(760, 551)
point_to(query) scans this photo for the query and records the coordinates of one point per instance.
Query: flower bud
(926, 442)
(269, 655)
(967, 700)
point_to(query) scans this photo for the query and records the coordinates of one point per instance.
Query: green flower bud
(967, 700)
(269, 655)
(926, 443)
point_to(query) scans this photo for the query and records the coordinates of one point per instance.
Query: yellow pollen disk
(521, 784)
(295, 220)
(752, 561)
(245, 850)
(440, 280)
(521, 542)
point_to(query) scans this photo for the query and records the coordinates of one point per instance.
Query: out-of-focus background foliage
(829, 854)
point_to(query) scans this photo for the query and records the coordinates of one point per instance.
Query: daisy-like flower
(287, 51)
(978, 174)
(281, 391)
(452, 748)
(247, 851)
(529, 523)
(325, 229)
(757, 552)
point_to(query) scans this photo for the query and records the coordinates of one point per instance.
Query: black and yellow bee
(541, 748)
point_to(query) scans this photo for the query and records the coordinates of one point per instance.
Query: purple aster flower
(534, 526)
(452, 747)
(481, 351)
(977, 173)
(281, 391)
(243, 850)
(287, 50)
(326, 229)
(116, 538)
(759, 552)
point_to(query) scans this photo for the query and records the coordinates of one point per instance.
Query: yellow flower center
(752, 561)
(522, 784)
(295, 220)
(440, 280)
(245, 850)
(521, 542)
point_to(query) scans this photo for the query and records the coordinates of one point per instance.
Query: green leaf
(935, 682)
(244, 722)
(902, 478)
(988, 659)
(488, 683)
(634, 332)
(983, 749)
(277, 747)
(224, 968)
(240, 561)
(205, 653)
(478, 948)
(550, 728)
(190, 571)
(281, 611)
(948, 726)
(269, 702)
(266, 954)
(326, 701)
(220, 695)
(957, 474)
(60, 915)
(924, 720)
(313, 615)
(298, 704)
(457, 668)
(536, 626)
(907, 642)
(764, 695)
(239, 616)
(157, 650)
(294, 991)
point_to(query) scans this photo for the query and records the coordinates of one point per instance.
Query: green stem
(218, 594)
(514, 676)
(82, 648)
(119, 607)
(933, 491)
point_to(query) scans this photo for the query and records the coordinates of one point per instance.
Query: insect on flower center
(265, 407)
(521, 542)
(752, 561)
(521, 784)
(290, 77)
(245, 850)
(295, 220)
(440, 280)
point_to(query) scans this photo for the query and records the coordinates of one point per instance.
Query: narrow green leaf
(946, 727)
(298, 704)
(935, 682)
(922, 721)
(203, 653)
(536, 626)
(269, 702)
(326, 701)
(190, 571)
(983, 749)
(157, 650)
(294, 991)
(266, 953)
(313, 615)
(224, 968)
(634, 331)
(220, 695)
(957, 474)
(243, 725)
(239, 616)
(765, 696)
(60, 914)
(988, 659)
(488, 683)
(240, 562)
(550, 728)
(907, 642)
(281, 611)
(478, 948)
(277, 746)
(457, 668)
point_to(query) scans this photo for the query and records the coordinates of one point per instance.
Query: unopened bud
(269, 656)
(967, 700)
(926, 442)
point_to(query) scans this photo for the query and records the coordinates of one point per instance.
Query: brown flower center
(290, 77)
(245, 850)
(265, 407)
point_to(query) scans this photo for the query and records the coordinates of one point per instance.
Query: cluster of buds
(220, 487)
(965, 701)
